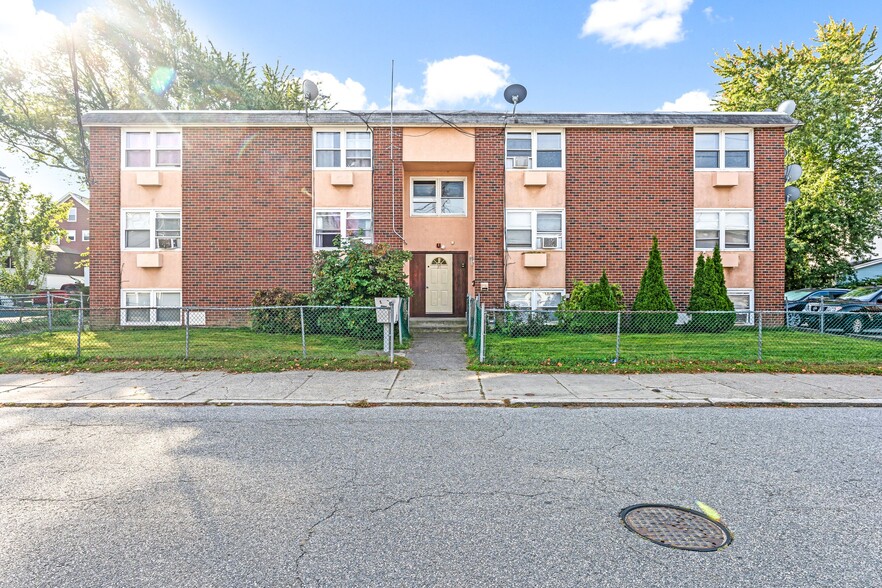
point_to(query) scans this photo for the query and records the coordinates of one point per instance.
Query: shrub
(653, 295)
(521, 324)
(277, 320)
(597, 296)
(709, 294)
(355, 274)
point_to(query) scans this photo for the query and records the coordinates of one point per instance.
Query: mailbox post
(387, 314)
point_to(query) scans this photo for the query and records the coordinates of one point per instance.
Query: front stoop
(438, 325)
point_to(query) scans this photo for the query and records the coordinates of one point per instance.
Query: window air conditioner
(520, 162)
(168, 243)
(549, 242)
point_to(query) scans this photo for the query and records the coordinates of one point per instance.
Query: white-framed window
(331, 225)
(742, 299)
(148, 229)
(151, 149)
(150, 307)
(71, 236)
(336, 149)
(528, 229)
(86, 236)
(534, 149)
(438, 197)
(72, 214)
(723, 149)
(546, 299)
(735, 226)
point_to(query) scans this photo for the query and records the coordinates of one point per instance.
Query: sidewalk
(437, 388)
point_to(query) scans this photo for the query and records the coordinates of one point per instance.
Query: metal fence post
(186, 333)
(391, 333)
(303, 332)
(400, 312)
(49, 309)
(759, 323)
(618, 335)
(483, 333)
(822, 316)
(79, 330)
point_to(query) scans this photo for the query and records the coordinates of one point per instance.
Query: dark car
(853, 312)
(796, 300)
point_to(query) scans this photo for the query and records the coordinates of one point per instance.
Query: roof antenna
(515, 94)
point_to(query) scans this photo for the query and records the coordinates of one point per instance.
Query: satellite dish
(768, 110)
(787, 107)
(792, 172)
(791, 193)
(515, 94)
(310, 90)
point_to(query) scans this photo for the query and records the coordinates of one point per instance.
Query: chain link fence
(524, 338)
(59, 333)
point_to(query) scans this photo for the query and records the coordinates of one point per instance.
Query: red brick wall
(104, 256)
(489, 214)
(623, 187)
(384, 231)
(769, 250)
(247, 213)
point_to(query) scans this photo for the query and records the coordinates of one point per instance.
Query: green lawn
(782, 350)
(210, 348)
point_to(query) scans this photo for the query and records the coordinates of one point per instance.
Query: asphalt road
(433, 496)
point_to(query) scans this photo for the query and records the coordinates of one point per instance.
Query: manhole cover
(673, 526)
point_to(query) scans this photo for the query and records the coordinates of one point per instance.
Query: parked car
(61, 296)
(855, 311)
(796, 300)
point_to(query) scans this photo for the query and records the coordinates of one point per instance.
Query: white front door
(439, 283)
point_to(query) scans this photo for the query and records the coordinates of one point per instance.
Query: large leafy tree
(836, 82)
(29, 224)
(130, 55)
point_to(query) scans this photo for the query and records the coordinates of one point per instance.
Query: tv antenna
(515, 94)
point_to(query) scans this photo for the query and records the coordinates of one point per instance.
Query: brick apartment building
(204, 208)
(69, 250)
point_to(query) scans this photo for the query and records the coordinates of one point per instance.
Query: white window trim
(438, 180)
(86, 235)
(152, 211)
(342, 132)
(534, 294)
(153, 292)
(71, 233)
(535, 212)
(72, 211)
(343, 212)
(722, 215)
(722, 157)
(152, 131)
(743, 291)
(534, 148)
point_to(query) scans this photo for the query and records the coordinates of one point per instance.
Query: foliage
(709, 294)
(131, 55)
(355, 274)
(837, 86)
(597, 296)
(653, 295)
(29, 224)
(277, 320)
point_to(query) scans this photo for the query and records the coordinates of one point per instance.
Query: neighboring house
(69, 249)
(868, 270)
(204, 208)
(4, 179)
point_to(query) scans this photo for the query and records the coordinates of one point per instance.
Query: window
(331, 225)
(722, 150)
(72, 214)
(534, 229)
(534, 299)
(151, 149)
(736, 226)
(534, 150)
(336, 149)
(86, 236)
(151, 307)
(437, 196)
(151, 229)
(71, 236)
(743, 301)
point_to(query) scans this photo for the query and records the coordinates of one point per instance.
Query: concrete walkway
(437, 387)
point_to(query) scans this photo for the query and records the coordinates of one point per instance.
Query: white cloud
(348, 95)
(645, 23)
(713, 17)
(694, 101)
(24, 30)
(455, 81)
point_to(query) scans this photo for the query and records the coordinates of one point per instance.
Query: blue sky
(586, 55)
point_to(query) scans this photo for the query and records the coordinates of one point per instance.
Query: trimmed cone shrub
(597, 296)
(284, 321)
(709, 294)
(653, 295)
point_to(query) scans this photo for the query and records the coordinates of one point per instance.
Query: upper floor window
(534, 229)
(533, 150)
(732, 230)
(438, 196)
(72, 214)
(151, 229)
(85, 235)
(337, 149)
(723, 150)
(151, 149)
(332, 227)
(71, 236)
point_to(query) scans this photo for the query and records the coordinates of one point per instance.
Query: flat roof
(241, 118)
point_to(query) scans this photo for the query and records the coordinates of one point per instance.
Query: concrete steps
(438, 325)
